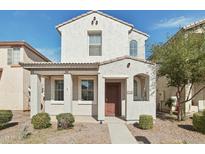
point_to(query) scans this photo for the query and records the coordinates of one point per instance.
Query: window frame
(94, 33)
(138, 88)
(61, 90)
(81, 78)
(15, 58)
(87, 90)
(132, 51)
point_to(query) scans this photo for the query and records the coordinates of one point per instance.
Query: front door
(112, 99)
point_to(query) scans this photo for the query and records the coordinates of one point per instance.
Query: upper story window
(133, 48)
(13, 56)
(95, 44)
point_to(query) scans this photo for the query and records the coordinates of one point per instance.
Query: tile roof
(192, 25)
(126, 57)
(34, 65)
(103, 14)
(25, 44)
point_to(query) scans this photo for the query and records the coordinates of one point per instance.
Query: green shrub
(41, 120)
(2, 126)
(199, 122)
(204, 112)
(146, 122)
(65, 120)
(5, 116)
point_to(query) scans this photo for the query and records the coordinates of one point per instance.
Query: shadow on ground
(136, 125)
(166, 116)
(11, 124)
(187, 127)
(142, 140)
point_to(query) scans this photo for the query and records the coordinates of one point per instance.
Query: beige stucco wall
(15, 81)
(115, 39)
(11, 84)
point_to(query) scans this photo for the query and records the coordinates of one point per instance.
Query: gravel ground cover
(168, 130)
(81, 133)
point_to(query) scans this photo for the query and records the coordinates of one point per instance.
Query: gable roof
(103, 14)
(23, 44)
(195, 24)
(125, 57)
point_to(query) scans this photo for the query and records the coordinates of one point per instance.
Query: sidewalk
(119, 132)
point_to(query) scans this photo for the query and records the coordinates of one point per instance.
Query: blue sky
(38, 27)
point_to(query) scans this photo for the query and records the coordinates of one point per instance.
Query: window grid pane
(95, 44)
(133, 48)
(16, 55)
(95, 50)
(87, 90)
(59, 90)
(95, 39)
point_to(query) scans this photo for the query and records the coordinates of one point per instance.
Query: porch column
(129, 94)
(35, 94)
(188, 104)
(101, 97)
(68, 90)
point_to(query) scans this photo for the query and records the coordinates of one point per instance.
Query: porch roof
(84, 65)
(56, 65)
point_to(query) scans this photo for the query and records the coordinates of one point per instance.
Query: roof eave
(90, 12)
(31, 66)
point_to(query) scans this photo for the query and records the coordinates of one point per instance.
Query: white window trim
(88, 43)
(139, 92)
(12, 57)
(53, 89)
(80, 78)
(133, 40)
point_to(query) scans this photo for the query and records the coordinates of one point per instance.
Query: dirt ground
(81, 133)
(168, 131)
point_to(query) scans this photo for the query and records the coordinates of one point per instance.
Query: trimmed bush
(41, 120)
(5, 116)
(199, 122)
(65, 120)
(146, 122)
(204, 112)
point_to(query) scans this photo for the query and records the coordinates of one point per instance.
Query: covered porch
(88, 90)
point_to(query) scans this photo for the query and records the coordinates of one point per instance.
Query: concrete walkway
(119, 132)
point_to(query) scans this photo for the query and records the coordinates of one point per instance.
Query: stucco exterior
(115, 39)
(14, 80)
(115, 65)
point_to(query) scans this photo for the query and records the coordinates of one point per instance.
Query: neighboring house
(164, 92)
(103, 71)
(14, 80)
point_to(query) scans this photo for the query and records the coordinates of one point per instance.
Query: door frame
(119, 103)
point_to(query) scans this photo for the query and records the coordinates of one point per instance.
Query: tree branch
(189, 91)
(193, 95)
(182, 88)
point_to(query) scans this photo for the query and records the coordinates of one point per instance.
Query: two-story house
(103, 71)
(14, 80)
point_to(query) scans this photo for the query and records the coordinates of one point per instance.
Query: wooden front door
(112, 99)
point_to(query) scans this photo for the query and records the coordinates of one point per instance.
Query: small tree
(182, 61)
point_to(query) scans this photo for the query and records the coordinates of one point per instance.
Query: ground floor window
(87, 90)
(59, 90)
(141, 87)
